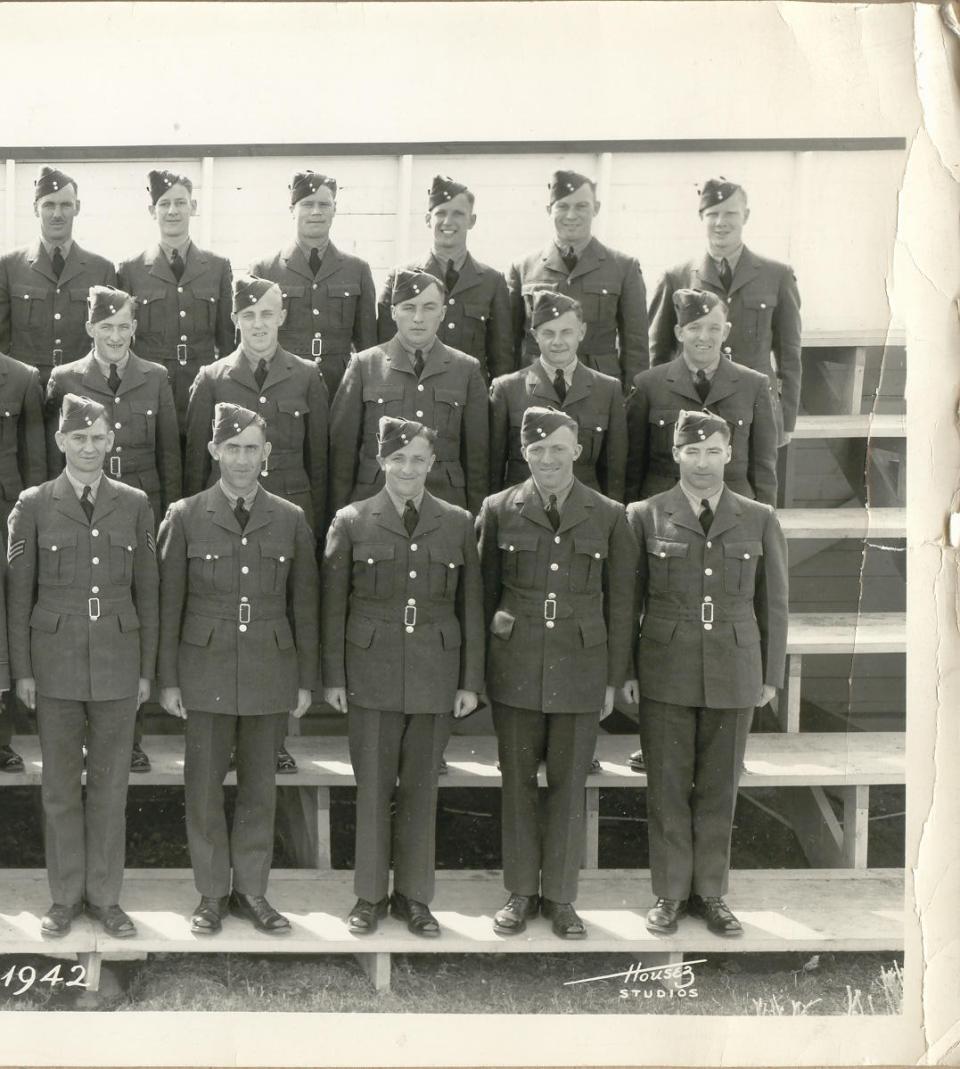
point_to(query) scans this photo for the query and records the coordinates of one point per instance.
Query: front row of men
(228, 624)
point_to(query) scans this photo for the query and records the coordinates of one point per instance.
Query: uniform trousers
(85, 845)
(542, 850)
(396, 757)
(693, 758)
(248, 846)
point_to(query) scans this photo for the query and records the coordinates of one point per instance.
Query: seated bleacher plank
(841, 339)
(885, 425)
(844, 523)
(847, 632)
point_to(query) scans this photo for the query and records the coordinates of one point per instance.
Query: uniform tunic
(593, 399)
(609, 286)
(22, 443)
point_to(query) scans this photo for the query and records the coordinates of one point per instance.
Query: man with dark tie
(761, 295)
(415, 376)
(82, 611)
(558, 563)
(43, 287)
(608, 284)
(712, 596)
(477, 315)
(182, 291)
(328, 295)
(238, 654)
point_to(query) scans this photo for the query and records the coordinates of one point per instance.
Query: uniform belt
(93, 606)
(261, 607)
(707, 612)
(123, 463)
(409, 615)
(550, 608)
(285, 460)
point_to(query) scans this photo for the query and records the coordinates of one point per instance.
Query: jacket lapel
(219, 511)
(93, 377)
(398, 359)
(331, 264)
(436, 361)
(589, 260)
(551, 258)
(195, 265)
(73, 265)
(241, 371)
(680, 512)
(681, 381)
(707, 277)
(576, 508)
(67, 501)
(159, 266)
(470, 276)
(106, 501)
(40, 261)
(725, 381)
(261, 513)
(747, 270)
(528, 502)
(279, 368)
(429, 517)
(539, 386)
(385, 513)
(580, 388)
(726, 516)
(134, 375)
(295, 261)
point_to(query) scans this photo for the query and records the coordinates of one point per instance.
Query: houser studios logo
(672, 981)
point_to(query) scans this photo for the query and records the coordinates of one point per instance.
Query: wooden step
(844, 523)
(841, 339)
(886, 425)
(847, 632)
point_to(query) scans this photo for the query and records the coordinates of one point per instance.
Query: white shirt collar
(79, 487)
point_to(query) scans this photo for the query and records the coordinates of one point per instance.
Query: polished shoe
(419, 919)
(635, 761)
(10, 760)
(595, 768)
(139, 762)
(207, 918)
(286, 765)
(257, 910)
(115, 922)
(665, 914)
(513, 917)
(717, 914)
(565, 921)
(365, 916)
(57, 920)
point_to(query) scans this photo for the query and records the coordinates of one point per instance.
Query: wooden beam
(591, 844)
(377, 968)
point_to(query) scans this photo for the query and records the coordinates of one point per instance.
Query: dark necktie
(113, 379)
(315, 260)
(418, 363)
(726, 274)
(410, 516)
(86, 503)
(452, 277)
(176, 265)
(57, 261)
(706, 516)
(569, 258)
(260, 373)
(560, 385)
(702, 385)
(240, 511)
(553, 513)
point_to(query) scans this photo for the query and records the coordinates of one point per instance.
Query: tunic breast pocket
(57, 558)
(448, 410)
(660, 425)
(740, 566)
(298, 307)
(150, 313)
(27, 305)
(211, 566)
(122, 545)
(474, 328)
(203, 309)
(518, 557)
(373, 569)
(599, 300)
(383, 400)
(593, 430)
(342, 300)
(143, 422)
(290, 422)
(756, 317)
(9, 421)
(740, 424)
(586, 566)
(275, 558)
(76, 312)
(667, 565)
(445, 564)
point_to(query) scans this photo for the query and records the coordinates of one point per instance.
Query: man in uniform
(701, 376)
(761, 296)
(558, 379)
(402, 647)
(82, 612)
(608, 284)
(558, 563)
(183, 291)
(328, 295)
(43, 287)
(712, 590)
(238, 653)
(412, 376)
(477, 316)
(22, 464)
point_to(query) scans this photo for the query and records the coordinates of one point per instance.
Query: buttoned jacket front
(609, 286)
(714, 606)
(146, 442)
(293, 401)
(558, 605)
(450, 396)
(23, 459)
(183, 324)
(764, 310)
(402, 614)
(477, 315)
(82, 595)
(42, 318)
(593, 399)
(737, 394)
(238, 611)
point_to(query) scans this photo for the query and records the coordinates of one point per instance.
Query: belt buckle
(245, 612)
(549, 608)
(182, 354)
(115, 466)
(706, 617)
(93, 608)
(316, 347)
(409, 616)
(57, 357)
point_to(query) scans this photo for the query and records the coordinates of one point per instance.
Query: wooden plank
(838, 339)
(817, 829)
(91, 962)
(591, 845)
(887, 425)
(856, 826)
(789, 710)
(377, 968)
(847, 632)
